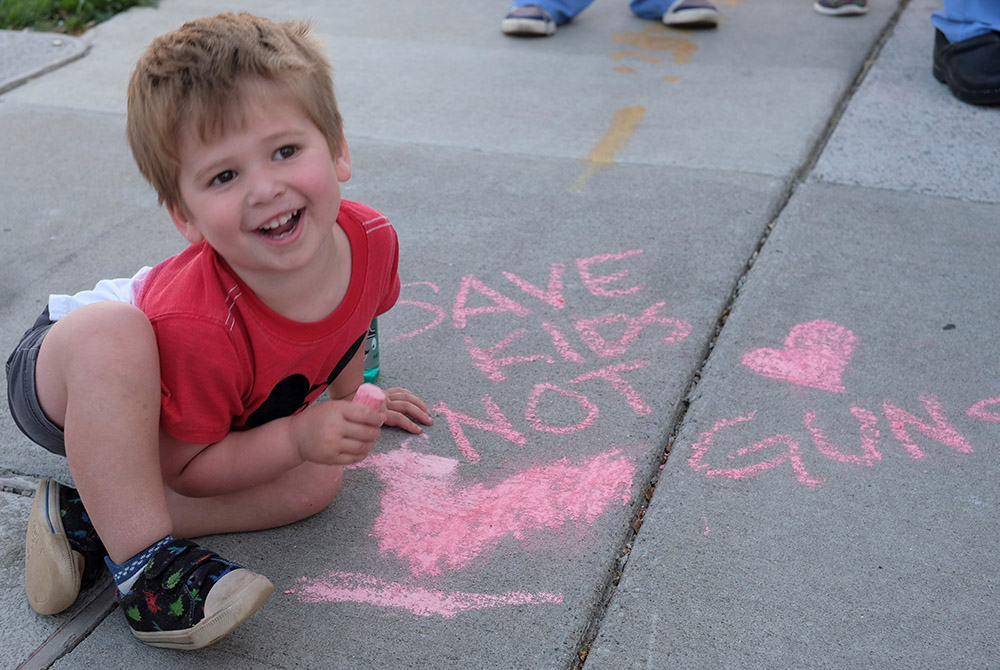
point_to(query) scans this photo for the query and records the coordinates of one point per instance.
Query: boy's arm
(402, 405)
(338, 432)
(332, 433)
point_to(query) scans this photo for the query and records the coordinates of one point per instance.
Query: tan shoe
(52, 570)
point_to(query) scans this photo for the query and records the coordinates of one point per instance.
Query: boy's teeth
(280, 221)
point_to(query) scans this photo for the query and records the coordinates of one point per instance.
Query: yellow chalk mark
(625, 53)
(623, 125)
(626, 69)
(671, 78)
(655, 38)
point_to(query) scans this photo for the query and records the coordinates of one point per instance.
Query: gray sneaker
(528, 21)
(691, 14)
(841, 7)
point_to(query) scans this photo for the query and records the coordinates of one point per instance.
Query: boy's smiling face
(264, 193)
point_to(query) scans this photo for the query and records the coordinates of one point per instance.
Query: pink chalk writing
(552, 295)
(531, 414)
(490, 365)
(340, 587)
(633, 329)
(618, 383)
(596, 284)
(561, 344)
(791, 455)
(437, 310)
(815, 354)
(869, 438)
(978, 411)
(433, 523)
(940, 429)
(501, 303)
(497, 423)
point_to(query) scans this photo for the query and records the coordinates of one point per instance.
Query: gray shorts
(21, 394)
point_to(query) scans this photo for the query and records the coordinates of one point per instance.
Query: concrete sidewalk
(769, 250)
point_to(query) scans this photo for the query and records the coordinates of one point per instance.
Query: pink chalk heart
(815, 354)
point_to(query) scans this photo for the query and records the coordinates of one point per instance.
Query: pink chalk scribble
(978, 411)
(792, 455)
(340, 587)
(434, 523)
(815, 354)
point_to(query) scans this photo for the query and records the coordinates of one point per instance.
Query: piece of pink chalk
(370, 395)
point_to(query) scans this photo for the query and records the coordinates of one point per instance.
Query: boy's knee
(99, 336)
(315, 494)
(114, 327)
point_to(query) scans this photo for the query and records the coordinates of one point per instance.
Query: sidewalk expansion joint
(617, 572)
(75, 629)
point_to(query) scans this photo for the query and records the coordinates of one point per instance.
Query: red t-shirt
(229, 362)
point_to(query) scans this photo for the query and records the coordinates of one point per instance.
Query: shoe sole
(527, 27)
(985, 98)
(52, 570)
(693, 18)
(232, 600)
(846, 10)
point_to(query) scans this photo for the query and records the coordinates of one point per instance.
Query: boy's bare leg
(293, 496)
(98, 377)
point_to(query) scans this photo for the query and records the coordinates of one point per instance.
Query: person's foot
(62, 550)
(841, 7)
(187, 597)
(528, 21)
(691, 14)
(970, 68)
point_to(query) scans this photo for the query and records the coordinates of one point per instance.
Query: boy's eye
(285, 152)
(224, 177)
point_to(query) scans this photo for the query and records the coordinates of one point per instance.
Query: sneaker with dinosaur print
(188, 597)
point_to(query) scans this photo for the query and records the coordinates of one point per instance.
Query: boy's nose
(265, 188)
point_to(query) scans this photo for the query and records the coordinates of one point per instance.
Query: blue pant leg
(650, 9)
(965, 19)
(561, 10)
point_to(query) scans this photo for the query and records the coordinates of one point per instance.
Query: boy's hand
(403, 407)
(338, 432)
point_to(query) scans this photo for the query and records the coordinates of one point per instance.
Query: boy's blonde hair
(191, 78)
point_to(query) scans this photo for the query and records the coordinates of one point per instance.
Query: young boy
(182, 398)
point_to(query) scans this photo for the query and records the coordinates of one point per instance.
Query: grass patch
(62, 16)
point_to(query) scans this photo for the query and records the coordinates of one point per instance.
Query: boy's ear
(184, 224)
(343, 162)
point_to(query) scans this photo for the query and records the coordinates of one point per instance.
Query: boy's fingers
(400, 420)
